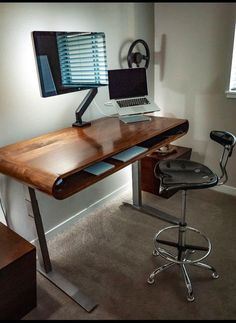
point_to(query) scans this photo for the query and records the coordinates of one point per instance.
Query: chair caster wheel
(215, 275)
(190, 298)
(155, 253)
(150, 281)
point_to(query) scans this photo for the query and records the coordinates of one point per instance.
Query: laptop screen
(127, 83)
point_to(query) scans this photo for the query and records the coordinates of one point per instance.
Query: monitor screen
(127, 83)
(70, 61)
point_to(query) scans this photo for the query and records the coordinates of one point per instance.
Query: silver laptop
(128, 91)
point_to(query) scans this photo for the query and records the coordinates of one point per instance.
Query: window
(82, 59)
(231, 93)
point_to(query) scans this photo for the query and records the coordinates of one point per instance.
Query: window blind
(232, 86)
(82, 59)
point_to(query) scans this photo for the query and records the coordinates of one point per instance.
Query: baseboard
(225, 189)
(63, 225)
(67, 223)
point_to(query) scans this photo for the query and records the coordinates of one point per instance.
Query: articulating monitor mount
(83, 107)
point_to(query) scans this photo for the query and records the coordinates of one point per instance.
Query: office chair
(187, 175)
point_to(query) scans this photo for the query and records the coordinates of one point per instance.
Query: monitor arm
(83, 107)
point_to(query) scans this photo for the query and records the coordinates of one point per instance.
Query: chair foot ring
(162, 252)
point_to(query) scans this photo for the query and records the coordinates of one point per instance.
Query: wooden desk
(60, 157)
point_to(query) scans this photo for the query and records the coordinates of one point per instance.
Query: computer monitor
(69, 62)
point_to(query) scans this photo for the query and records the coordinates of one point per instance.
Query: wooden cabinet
(17, 275)
(149, 182)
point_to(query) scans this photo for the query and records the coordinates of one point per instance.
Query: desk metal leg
(136, 184)
(137, 198)
(45, 266)
(43, 253)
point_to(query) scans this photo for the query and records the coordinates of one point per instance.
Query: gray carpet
(109, 255)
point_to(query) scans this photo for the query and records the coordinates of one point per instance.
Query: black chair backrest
(224, 138)
(227, 140)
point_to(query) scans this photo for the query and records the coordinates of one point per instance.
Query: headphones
(137, 57)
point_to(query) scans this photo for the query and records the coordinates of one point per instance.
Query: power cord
(2, 207)
(99, 109)
(108, 103)
(3, 210)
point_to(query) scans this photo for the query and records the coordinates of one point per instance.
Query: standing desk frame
(54, 163)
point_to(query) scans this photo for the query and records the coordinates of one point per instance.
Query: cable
(2, 207)
(3, 211)
(107, 103)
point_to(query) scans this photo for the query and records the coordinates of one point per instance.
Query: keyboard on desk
(132, 102)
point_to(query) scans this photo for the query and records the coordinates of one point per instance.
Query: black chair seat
(184, 174)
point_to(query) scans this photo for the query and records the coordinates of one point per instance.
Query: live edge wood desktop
(54, 163)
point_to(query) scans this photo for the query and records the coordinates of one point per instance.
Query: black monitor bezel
(41, 40)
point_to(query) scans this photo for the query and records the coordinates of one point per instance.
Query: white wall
(25, 114)
(193, 48)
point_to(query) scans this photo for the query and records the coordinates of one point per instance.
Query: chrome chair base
(182, 258)
(188, 284)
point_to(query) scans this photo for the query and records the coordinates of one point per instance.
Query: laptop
(128, 92)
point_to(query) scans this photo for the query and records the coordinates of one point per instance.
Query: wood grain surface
(39, 162)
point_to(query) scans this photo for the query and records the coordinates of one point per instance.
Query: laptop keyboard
(132, 102)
